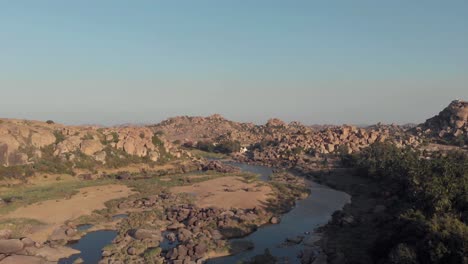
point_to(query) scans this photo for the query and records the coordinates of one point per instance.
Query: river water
(91, 246)
(308, 214)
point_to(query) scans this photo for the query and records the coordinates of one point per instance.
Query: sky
(319, 62)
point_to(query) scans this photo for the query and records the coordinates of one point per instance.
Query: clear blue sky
(115, 61)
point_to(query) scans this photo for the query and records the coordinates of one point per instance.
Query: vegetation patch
(428, 201)
(20, 226)
(25, 195)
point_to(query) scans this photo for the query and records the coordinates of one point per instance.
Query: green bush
(224, 147)
(83, 161)
(402, 254)
(59, 137)
(432, 203)
(207, 146)
(87, 137)
(52, 164)
(228, 146)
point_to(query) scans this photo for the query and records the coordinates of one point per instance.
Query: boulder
(70, 144)
(90, 146)
(184, 234)
(175, 226)
(171, 237)
(70, 232)
(141, 234)
(8, 246)
(5, 234)
(28, 242)
(18, 259)
(201, 249)
(274, 220)
(42, 139)
(132, 251)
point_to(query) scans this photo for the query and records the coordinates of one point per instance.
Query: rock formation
(26, 142)
(451, 124)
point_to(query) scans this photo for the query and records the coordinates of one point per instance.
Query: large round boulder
(18, 259)
(8, 246)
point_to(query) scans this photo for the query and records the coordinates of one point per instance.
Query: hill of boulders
(450, 125)
(27, 142)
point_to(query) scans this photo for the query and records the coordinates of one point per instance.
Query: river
(308, 214)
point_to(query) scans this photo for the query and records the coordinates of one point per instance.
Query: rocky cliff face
(451, 124)
(23, 142)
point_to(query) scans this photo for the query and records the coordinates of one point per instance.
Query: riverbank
(350, 234)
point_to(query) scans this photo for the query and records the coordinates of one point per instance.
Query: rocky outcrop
(451, 124)
(25, 250)
(284, 147)
(90, 146)
(25, 142)
(9, 246)
(191, 232)
(20, 259)
(135, 141)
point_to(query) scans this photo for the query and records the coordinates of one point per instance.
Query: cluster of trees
(225, 146)
(432, 207)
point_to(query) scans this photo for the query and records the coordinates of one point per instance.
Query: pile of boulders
(289, 147)
(450, 123)
(189, 235)
(26, 251)
(150, 202)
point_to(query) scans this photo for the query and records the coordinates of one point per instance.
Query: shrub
(206, 146)
(228, 146)
(152, 255)
(87, 137)
(50, 122)
(402, 254)
(432, 203)
(83, 161)
(157, 141)
(59, 137)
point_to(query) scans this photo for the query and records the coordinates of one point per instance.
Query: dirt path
(227, 192)
(56, 212)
